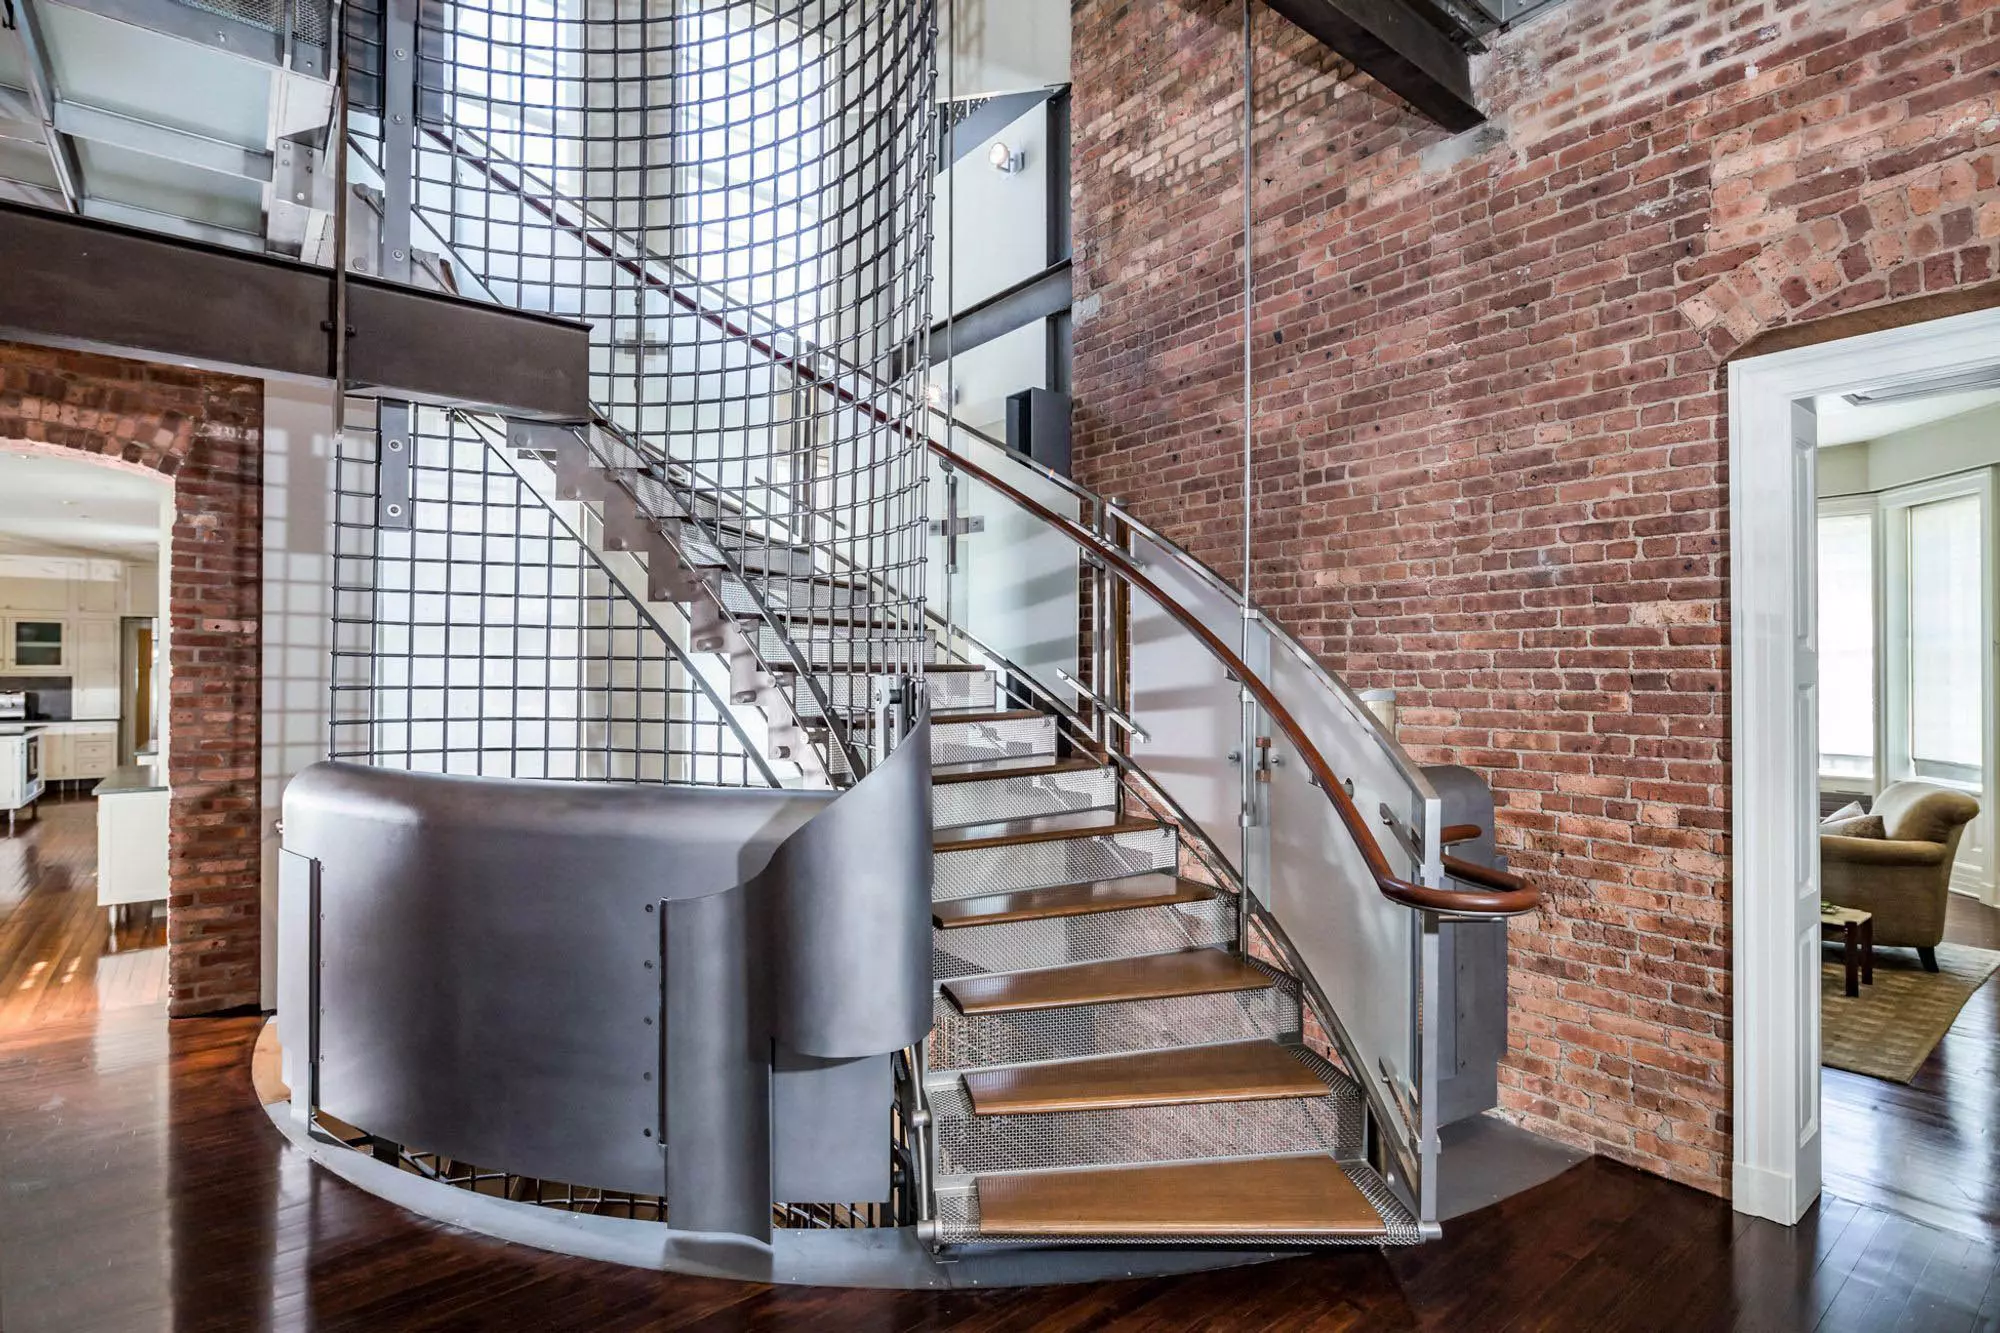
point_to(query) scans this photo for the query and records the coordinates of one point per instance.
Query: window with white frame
(1945, 717)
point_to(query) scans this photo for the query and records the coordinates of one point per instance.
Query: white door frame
(1774, 907)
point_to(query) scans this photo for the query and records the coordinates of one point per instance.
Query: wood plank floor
(141, 1188)
(1931, 1149)
(60, 957)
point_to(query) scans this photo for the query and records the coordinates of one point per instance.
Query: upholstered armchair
(1899, 869)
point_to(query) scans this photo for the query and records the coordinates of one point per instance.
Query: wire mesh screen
(488, 640)
(735, 194)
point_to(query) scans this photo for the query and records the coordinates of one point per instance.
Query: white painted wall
(1939, 449)
(992, 232)
(298, 581)
(1002, 46)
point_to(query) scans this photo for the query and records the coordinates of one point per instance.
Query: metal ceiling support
(74, 282)
(170, 224)
(1389, 41)
(1016, 307)
(162, 141)
(42, 93)
(399, 135)
(220, 32)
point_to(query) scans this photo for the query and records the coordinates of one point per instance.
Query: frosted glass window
(1947, 702)
(1847, 647)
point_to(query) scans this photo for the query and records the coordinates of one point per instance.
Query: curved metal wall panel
(490, 962)
(853, 898)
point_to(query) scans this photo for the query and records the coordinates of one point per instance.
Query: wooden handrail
(1500, 893)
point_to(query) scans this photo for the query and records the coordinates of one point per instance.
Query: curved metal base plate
(883, 1257)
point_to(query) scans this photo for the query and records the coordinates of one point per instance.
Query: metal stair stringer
(652, 568)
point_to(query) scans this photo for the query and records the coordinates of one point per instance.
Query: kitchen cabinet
(73, 750)
(132, 836)
(94, 668)
(37, 643)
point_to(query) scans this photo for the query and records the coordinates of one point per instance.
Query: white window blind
(1847, 647)
(1947, 707)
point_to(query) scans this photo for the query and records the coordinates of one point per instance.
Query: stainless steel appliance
(13, 705)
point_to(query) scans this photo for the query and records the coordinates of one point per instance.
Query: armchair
(1903, 876)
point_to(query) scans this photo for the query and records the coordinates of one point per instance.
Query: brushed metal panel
(491, 963)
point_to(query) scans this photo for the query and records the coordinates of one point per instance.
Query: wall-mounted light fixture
(1004, 159)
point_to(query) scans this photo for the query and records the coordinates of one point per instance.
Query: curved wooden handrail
(1500, 893)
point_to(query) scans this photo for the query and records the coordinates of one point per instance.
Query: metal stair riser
(802, 598)
(955, 803)
(963, 689)
(1040, 865)
(964, 742)
(962, 1041)
(970, 1144)
(958, 1221)
(1051, 942)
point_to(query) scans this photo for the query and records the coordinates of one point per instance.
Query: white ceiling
(58, 506)
(1841, 422)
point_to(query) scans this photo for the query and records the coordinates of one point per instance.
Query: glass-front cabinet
(37, 643)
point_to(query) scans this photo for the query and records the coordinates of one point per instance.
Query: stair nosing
(1051, 764)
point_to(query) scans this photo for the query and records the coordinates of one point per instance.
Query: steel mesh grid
(1051, 942)
(1037, 865)
(1003, 797)
(962, 1041)
(971, 1144)
(736, 195)
(963, 689)
(488, 640)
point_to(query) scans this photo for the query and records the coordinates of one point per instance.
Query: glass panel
(38, 643)
(1947, 707)
(1847, 647)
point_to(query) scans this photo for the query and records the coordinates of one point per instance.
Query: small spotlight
(1004, 159)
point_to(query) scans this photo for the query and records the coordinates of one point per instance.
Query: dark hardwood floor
(141, 1188)
(1931, 1149)
(60, 955)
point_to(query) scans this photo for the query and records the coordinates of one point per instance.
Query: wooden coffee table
(1859, 929)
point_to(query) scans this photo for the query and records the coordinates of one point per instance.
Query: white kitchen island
(132, 836)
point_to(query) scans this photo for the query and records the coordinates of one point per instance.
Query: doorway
(84, 859)
(1924, 666)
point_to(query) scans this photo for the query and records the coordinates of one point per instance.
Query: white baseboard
(1770, 1194)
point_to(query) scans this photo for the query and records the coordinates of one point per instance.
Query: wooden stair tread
(1300, 1196)
(1103, 895)
(1039, 828)
(1008, 766)
(942, 716)
(1242, 1071)
(1149, 977)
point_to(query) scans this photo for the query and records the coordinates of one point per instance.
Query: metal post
(1249, 770)
(399, 130)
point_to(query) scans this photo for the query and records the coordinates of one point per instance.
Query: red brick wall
(204, 431)
(1490, 438)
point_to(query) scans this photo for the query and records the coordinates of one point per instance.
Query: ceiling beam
(74, 282)
(1393, 44)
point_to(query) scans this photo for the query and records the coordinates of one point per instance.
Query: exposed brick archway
(205, 431)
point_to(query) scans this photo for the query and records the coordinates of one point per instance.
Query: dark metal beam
(75, 282)
(1393, 44)
(1032, 299)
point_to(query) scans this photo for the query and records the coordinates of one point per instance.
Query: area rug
(1890, 1029)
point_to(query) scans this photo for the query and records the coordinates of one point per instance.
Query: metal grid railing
(736, 195)
(487, 639)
